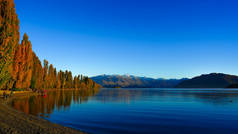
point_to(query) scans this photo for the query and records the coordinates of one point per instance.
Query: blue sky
(154, 38)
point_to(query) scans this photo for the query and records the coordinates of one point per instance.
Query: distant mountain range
(213, 80)
(129, 81)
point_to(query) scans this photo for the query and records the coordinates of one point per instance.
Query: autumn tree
(58, 84)
(28, 62)
(62, 79)
(37, 73)
(55, 78)
(9, 39)
(23, 64)
(51, 77)
(45, 74)
(68, 79)
(75, 85)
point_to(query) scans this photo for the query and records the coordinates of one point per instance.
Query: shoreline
(16, 122)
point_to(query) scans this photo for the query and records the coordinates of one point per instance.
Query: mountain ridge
(131, 81)
(212, 80)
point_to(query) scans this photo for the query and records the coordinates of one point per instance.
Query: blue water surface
(140, 111)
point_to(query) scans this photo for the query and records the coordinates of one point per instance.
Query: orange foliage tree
(20, 67)
(9, 39)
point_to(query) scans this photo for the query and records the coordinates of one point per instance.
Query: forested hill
(20, 67)
(126, 81)
(213, 80)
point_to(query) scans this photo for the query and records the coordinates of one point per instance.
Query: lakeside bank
(16, 122)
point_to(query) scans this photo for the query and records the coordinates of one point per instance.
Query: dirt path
(15, 122)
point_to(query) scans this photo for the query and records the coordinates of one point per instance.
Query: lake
(135, 111)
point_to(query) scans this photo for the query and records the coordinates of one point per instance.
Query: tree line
(20, 68)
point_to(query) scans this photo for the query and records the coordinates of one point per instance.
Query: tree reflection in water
(44, 106)
(61, 100)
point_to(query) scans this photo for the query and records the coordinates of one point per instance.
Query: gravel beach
(15, 122)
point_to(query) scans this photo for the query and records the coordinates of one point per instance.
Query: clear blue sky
(154, 38)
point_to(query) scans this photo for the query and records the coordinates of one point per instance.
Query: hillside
(213, 80)
(128, 81)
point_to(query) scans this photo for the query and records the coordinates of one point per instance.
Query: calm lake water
(147, 111)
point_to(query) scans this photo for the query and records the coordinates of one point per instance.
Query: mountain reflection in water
(145, 111)
(213, 96)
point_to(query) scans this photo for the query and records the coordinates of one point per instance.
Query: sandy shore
(15, 122)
